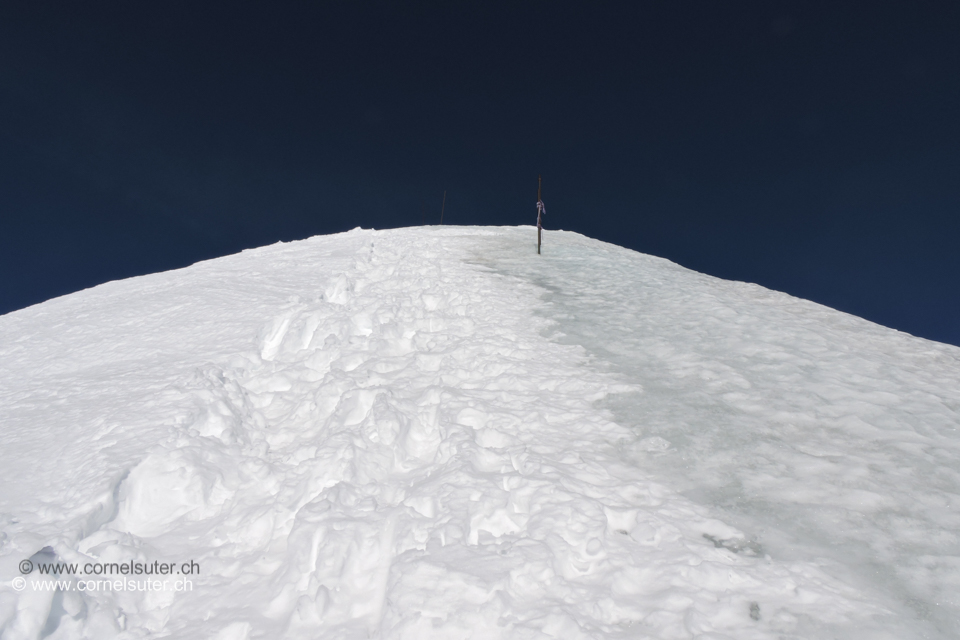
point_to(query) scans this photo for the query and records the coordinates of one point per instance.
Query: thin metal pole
(538, 214)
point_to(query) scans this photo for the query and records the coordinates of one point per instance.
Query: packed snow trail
(382, 434)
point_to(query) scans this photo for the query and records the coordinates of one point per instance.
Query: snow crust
(435, 433)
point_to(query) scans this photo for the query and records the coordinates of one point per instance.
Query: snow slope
(434, 433)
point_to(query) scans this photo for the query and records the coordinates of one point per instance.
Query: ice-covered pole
(541, 211)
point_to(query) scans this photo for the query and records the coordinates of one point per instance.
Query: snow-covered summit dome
(436, 433)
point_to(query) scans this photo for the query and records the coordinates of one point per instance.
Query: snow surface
(435, 433)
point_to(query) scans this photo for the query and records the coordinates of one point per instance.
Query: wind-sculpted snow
(383, 434)
(822, 434)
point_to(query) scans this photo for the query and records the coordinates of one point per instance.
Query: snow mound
(435, 433)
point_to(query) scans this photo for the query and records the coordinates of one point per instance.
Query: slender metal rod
(539, 227)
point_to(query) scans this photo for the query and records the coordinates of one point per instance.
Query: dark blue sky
(811, 147)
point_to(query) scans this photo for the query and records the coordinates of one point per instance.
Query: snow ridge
(402, 450)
